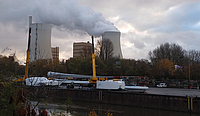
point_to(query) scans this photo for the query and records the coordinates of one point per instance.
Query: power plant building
(82, 49)
(114, 37)
(55, 53)
(40, 43)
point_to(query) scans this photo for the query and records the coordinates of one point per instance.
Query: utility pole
(189, 76)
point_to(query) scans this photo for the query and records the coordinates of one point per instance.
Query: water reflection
(83, 109)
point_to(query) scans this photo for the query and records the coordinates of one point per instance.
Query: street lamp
(189, 76)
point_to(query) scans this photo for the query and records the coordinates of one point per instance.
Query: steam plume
(66, 13)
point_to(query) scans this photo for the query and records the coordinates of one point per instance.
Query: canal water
(69, 108)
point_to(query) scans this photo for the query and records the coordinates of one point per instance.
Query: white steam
(66, 13)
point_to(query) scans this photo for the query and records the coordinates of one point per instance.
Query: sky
(144, 24)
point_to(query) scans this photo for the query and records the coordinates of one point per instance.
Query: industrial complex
(93, 88)
(40, 43)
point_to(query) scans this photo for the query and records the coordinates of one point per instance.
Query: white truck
(41, 81)
(162, 85)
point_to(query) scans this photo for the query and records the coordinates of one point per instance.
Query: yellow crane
(27, 59)
(94, 78)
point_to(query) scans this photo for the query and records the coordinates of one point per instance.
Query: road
(174, 91)
(161, 91)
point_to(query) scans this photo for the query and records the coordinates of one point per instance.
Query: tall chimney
(30, 21)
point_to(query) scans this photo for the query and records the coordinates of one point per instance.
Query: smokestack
(30, 21)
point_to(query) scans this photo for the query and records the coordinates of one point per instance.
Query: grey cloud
(155, 15)
(67, 13)
(155, 22)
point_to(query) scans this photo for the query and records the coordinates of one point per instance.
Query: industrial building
(55, 53)
(40, 42)
(114, 37)
(82, 49)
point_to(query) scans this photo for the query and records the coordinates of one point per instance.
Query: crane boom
(27, 59)
(94, 78)
(5, 49)
(28, 54)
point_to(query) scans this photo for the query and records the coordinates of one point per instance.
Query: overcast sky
(144, 24)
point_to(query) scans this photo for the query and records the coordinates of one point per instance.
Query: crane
(94, 79)
(14, 56)
(27, 59)
(5, 49)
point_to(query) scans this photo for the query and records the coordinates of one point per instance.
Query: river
(69, 108)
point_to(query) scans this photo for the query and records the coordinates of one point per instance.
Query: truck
(161, 85)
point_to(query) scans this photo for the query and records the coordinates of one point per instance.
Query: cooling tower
(40, 44)
(114, 37)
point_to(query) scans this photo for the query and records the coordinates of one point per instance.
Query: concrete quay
(174, 91)
(183, 100)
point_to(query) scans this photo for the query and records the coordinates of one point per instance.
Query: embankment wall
(164, 102)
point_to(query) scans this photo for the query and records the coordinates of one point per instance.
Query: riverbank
(125, 98)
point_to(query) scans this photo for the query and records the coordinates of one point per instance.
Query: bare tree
(193, 56)
(172, 52)
(98, 48)
(105, 48)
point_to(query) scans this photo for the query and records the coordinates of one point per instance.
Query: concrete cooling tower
(114, 37)
(40, 43)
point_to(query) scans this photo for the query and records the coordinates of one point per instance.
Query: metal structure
(5, 49)
(27, 60)
(114, 37)
(94, 78)
(40, 43)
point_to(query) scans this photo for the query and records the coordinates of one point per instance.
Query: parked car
(162, 85)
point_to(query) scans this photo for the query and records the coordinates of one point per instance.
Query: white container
(110, 85)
